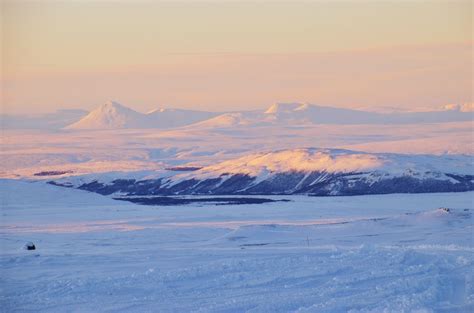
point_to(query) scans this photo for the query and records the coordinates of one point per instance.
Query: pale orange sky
(235, 55)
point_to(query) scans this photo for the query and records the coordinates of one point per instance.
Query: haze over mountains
(56, 120)
(113, 115)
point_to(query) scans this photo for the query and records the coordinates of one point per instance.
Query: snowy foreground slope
(320, 172)
(378, 253)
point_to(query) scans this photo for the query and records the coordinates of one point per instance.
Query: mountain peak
(286, 107)
(112, 105)
(109, 115)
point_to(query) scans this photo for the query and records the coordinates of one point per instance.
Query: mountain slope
(301, 171)
(235, 119)
(168, 118)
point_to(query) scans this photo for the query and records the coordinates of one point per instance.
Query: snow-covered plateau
(377, 253)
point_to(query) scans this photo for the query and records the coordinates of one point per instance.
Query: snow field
(391, 253)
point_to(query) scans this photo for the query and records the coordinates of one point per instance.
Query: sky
(242, 55)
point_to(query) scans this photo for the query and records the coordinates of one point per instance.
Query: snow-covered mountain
(298, 114)
(299, 171)
(113, 115)
(110, 115)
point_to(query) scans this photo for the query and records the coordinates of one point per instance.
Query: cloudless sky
(238, 55)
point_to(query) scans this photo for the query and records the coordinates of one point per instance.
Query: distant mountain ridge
(306, 114)
(113, 115)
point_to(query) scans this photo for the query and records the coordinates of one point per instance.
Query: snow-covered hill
(299, 171)
(113, 115)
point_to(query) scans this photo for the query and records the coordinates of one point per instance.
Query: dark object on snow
(447, 210)
(29, 246)
(212, 200)
(183, 168)
(52, 173)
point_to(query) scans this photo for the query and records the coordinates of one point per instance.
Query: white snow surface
(304, 160)
(386, 253)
